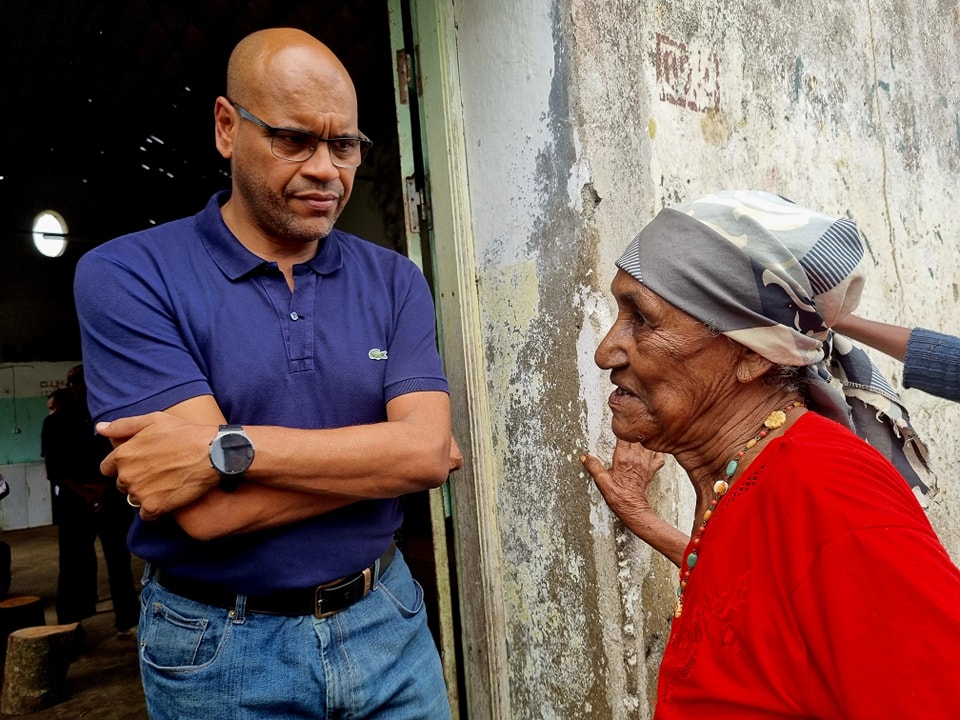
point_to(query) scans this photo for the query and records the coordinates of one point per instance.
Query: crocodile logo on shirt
(377, 354)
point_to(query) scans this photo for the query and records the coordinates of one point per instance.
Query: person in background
(74, 497)
(87, 506)
(59, 399)
(111, 517)
(931, 360)
(273, 386)
(812, 584)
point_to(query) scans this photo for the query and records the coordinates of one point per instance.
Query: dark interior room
(108, 121)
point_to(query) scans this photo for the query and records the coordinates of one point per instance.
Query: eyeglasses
(299, 146)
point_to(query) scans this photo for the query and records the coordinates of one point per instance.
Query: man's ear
(752, 366)
(226, 120)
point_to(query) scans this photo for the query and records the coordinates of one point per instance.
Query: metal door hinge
(414, 200)
(418, 210)
(408, 75)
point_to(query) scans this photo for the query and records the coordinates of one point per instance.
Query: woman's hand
(624, 485)
(625, 488)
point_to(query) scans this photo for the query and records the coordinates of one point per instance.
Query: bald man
(272, 385)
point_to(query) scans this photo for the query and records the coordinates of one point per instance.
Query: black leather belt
(320, 601)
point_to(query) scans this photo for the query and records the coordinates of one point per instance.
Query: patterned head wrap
(774, 276)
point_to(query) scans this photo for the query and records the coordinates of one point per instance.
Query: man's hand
(625, 488)
(456, 457)
(161, 461)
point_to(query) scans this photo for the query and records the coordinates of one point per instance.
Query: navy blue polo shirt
(184, 309)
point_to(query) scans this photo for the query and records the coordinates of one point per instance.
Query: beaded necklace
(774, 420)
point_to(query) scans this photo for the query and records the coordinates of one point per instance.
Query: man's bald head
(295, 83)
(280, 63)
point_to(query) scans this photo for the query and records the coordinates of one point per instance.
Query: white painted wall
(582, 119)
(29, 503)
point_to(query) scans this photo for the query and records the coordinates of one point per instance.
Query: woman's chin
(626, 431)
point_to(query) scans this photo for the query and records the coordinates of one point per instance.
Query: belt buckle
(318, 611)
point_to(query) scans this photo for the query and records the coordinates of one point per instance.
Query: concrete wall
(582, 119)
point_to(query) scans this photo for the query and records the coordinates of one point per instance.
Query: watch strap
(229, 483)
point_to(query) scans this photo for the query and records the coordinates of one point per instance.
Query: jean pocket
(403, 592)
(172, 640)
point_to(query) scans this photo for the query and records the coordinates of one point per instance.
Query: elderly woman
(813, 585)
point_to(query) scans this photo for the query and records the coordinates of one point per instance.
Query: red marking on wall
(687, 78)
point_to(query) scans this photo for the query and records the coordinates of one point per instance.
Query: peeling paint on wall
(585, 117)
(687, 77)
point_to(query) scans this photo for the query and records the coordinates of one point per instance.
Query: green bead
(731, 468)
(691, 560)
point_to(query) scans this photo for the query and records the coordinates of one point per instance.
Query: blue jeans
(375, 659)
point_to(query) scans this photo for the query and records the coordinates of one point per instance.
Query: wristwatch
(231, 453)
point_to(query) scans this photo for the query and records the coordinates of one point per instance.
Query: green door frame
(448, 242)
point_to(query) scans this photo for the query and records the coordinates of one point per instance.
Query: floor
(104, 682)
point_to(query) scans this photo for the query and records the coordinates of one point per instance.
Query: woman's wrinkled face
(668, 369)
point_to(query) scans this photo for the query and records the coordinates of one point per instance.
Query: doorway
(112, 129)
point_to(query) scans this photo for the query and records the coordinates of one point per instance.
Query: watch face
(232, 453)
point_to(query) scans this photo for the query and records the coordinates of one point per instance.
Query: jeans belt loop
(367, 580)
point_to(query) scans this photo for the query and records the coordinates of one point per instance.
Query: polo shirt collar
(236, 261)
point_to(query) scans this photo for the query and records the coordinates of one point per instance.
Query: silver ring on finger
(131, 503)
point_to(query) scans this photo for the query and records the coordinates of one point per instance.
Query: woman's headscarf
(774, 276)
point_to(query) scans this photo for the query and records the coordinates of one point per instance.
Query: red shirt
(821, 591)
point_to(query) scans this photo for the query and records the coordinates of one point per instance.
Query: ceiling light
(49, 233)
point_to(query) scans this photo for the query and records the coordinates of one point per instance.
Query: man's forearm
(372, 461)
(888, 339)
(162, 459)
(252, 507)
